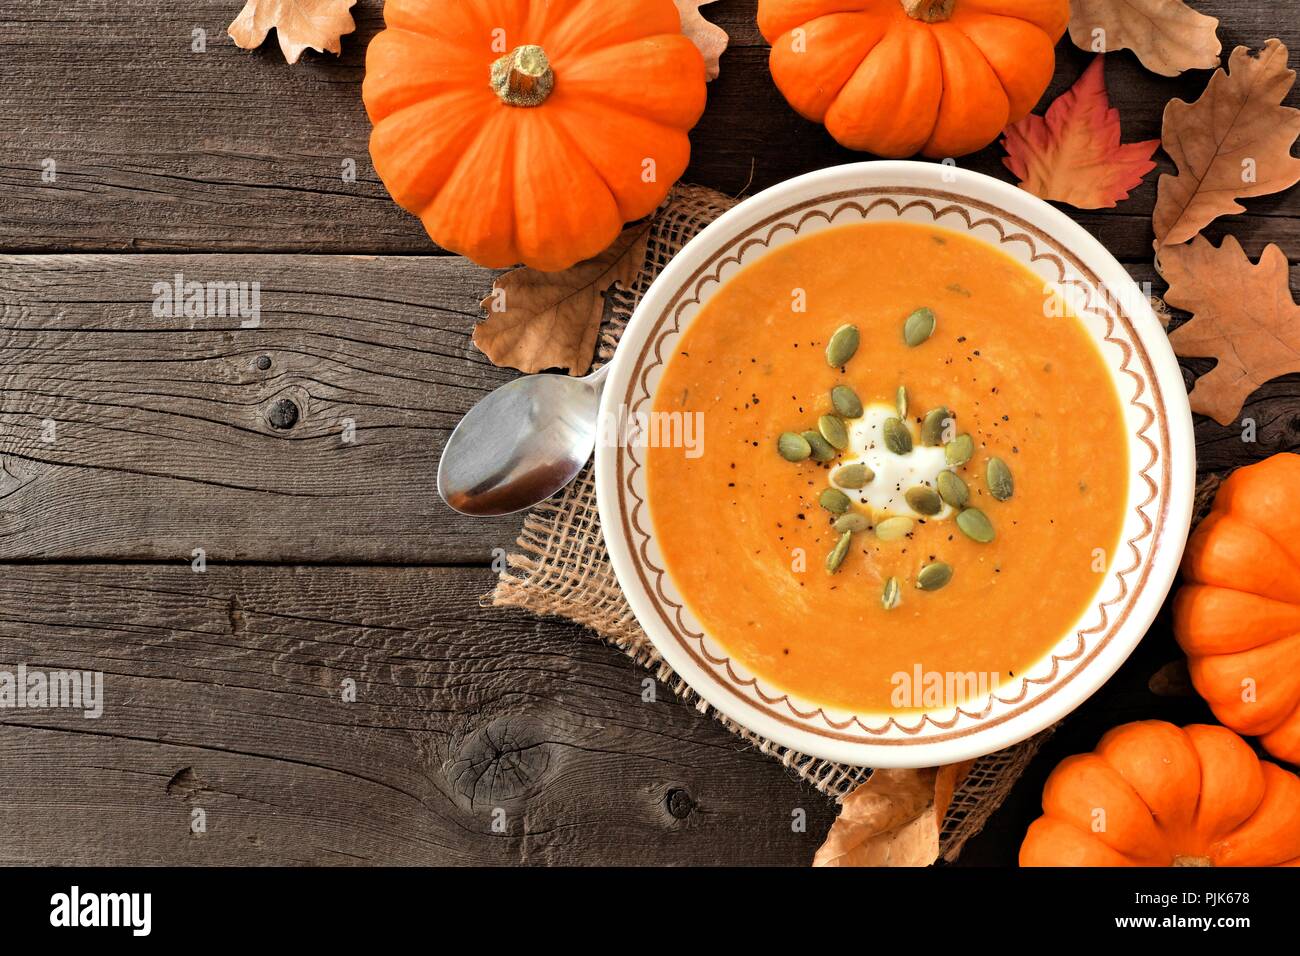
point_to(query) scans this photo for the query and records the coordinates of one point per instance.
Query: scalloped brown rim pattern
(816, 720)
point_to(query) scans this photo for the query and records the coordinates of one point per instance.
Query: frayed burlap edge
(561, 568)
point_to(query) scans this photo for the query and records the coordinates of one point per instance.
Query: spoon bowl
(521, 444)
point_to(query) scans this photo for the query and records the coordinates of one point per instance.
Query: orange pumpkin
(531, 130)
(897, 77)
(1152, 794)
(1238, 614)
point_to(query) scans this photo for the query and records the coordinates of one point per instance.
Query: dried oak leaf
(1243, 314)
(893, 819)
(709, 37)
(1234, 141)
(1166, 35)
(1073, 154)
(540, 320)
(299, 24)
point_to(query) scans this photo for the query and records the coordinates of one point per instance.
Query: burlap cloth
(561, 568)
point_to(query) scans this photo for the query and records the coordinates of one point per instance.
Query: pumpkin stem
(523, 77)
(1193, 861)
(928, 11)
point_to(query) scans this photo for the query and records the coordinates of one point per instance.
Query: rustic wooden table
(130, 440)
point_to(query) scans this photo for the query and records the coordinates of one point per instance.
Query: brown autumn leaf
(709, 37)
(1172, 680)
(1243, 314)
(1235, 141)
(1166, 35)
(540, 320)
(893, 819)
(299, 24)
(1073, 154)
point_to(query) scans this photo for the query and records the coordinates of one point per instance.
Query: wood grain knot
(283, 414)
(679, 803)
(186, 785)
(502, 761)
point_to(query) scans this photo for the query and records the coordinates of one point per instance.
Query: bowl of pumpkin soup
(897, 464)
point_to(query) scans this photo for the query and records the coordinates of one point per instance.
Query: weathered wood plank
(223, 691)
(124, 434)
(162, 148)
(160, 429)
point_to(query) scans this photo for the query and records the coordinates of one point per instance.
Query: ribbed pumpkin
(1238, 614)
(1152, 794)
(531, 130)
(898, 77)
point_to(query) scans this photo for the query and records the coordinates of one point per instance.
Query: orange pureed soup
(759, 530)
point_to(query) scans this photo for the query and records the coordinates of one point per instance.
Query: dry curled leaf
(1243, 314)
(709, 37)
(1234, 141)
(540, 320)
(1166, 35)
(893, 819)
(299, 24)
(1172, 680)
(1073, 154)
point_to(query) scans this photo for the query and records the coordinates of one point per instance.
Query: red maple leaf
(1073, 154)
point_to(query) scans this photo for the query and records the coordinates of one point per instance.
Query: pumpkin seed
(932, 428)
(833, 430)
(842, 346)
(891, 596)
(975, 525)
(834, 501)
(856, 475)
(959, 450)
(952, 489)
(821, 448)
(793, 447)
(894, 529)
(838, 553)
(897, 438)
(998, 477)
(924, 500)
(852, 522)
(846, 402)
(918, 327)
(900, 401)
(934, 576)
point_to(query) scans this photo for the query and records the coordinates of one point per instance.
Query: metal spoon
(521, 444)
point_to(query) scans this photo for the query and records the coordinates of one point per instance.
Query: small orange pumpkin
(1152, 794)
(898, 77)
(1238, 614)
(531, 130)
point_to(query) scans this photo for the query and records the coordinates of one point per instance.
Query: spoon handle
(597, 378)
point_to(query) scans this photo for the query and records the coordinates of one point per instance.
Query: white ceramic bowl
(1143, 369)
